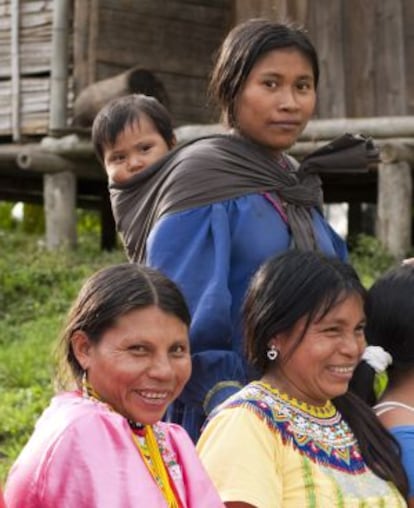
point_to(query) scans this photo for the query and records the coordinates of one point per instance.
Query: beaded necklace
(328, 410)
(149, 449)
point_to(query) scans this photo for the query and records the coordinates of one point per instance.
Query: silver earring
(272, 353)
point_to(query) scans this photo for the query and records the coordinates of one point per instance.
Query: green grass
(36, 290)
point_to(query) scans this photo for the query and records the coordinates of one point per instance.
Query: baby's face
(138, 146)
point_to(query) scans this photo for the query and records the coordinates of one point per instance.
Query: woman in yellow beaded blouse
(298, 437)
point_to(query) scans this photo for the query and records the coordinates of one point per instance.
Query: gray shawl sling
(222, 167)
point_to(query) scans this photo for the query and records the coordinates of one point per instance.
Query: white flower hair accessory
(377, 358)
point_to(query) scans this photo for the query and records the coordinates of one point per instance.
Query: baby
(130, 133)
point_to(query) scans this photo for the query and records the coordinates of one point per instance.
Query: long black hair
(390, 309)
(308, 285)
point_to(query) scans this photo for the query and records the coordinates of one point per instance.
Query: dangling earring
(85, 391)
(272, 353)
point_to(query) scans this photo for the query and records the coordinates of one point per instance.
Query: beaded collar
(316, 432)
(328, 410)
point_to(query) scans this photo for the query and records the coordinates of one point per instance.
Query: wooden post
(108, 235)
(15, 68)
(359, 26)
(394, 207)
(394, 180)
(59, 202)
(325, 18)
(60, 188)
(54, 164)
(398, 129)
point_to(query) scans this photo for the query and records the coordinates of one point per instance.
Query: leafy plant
(369, 258)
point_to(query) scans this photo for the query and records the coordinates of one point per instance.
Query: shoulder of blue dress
(239, 205)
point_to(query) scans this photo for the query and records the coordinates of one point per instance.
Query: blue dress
(211, 252)
(404, 434)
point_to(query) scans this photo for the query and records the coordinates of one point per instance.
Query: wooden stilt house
(365, 48)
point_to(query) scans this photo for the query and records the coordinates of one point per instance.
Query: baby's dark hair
(124, 111)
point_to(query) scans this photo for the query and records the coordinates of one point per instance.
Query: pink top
(81, 455)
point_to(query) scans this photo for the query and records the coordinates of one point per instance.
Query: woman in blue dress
(211, 211)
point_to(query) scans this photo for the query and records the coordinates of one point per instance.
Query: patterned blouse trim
(324, 440)
(169, 458)
(328, 410)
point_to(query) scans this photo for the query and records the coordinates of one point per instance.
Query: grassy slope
(36, 289)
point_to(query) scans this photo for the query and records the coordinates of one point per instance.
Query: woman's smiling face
(140, 365)
(321, 366)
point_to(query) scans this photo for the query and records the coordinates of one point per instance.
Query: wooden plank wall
(408, 28)
(365, 46)
(35, 36)
(175, 40)
(35, 46)
(364, 71)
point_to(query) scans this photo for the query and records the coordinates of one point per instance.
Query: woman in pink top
(102, 445)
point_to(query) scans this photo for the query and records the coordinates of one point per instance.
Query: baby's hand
(408, 261)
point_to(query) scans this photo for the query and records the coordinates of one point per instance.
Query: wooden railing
(393, 135)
